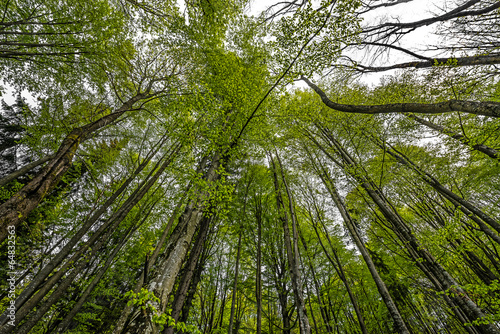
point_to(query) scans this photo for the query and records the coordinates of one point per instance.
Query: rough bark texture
(18, 207)
(189, 271)
(163, 281)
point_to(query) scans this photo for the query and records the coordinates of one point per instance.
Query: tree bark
(292, 253)
(467, 310)
(490, 109)
(398, 320)
(15, 210)
(235, 284)
(185, 282)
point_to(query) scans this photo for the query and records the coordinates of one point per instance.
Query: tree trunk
(292, 253)
(23, 170)
(441, 279)
(235, 285)
(399, 323)
(15, 210)
(182, 290)
(258, 273)
(167, 270)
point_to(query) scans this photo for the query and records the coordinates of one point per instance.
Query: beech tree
(196, 167)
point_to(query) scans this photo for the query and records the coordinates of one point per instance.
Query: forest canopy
(209, 166)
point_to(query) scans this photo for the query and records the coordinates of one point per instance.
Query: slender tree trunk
(110, 225)
(235, 285)
(44, 307)
(68, 247)
(491, 152)
(467, 309)
(292, 253)
(258, 274)
(83, 298)
(122, 321)
(25, 169)
(477, 215)
(349, 222)
(340, 272)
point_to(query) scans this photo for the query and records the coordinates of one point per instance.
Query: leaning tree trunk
(15, 210)
(68, 247)
(163, 281)
(468, 311)
(99, 236)
(398, 320)
(189, 270)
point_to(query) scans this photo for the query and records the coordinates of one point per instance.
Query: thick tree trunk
(189, 270)
(122, 321)
(161, 285)
(15, 210)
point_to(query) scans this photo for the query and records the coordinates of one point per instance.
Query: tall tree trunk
(337, 265)
(469, 209)
(161, 285)
(467, 310)
(68, 247)
(258, 273)
(235, 285)
(349, 222)
(194, 256)
(292, 253)
(15, 210)
(108, 227)
(61, 328)
(42, 308)
(122, 321)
